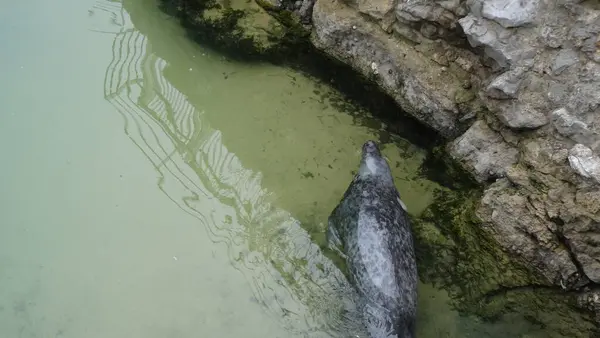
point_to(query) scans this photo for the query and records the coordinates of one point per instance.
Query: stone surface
(377, 9)
(507, 84)
(584, 162)
(521, 116)
(564, 59)
(508, 218)
(417, 10)
(584, 241)
(414, 80)
(483, 152)
(569, 126)
(510, 13)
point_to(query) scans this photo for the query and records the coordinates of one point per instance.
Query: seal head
(373, 164)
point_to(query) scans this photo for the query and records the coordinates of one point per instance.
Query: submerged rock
(499, 44)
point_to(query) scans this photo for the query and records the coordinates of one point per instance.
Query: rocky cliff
(514, 88)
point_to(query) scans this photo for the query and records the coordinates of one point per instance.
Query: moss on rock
(240, 29)
(455, 253)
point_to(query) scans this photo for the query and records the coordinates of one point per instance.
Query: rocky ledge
(514, 89)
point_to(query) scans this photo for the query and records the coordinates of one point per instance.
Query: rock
(564, 59)
(586, 28)
(416, 82)
(508, 218)
(583, 236)
(584, 162)
(569, 126)
(584, 97)
(305, 10)
(499, 43)
(507, 84)
(428, 30)
(589, 199)
(544, 156)
(521, 116)
(483, 152)
(426, 10)
(377, 9)
(408, 33)
(510, 13)
(590, 300)
(553, 35)
(557, 92)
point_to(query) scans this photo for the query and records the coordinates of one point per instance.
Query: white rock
(584, 162)
(510, 13)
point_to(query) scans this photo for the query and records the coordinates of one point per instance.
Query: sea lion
(371, 228)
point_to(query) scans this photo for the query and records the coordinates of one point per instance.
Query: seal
(371, 229)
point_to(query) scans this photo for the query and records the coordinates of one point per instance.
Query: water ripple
(288, 273)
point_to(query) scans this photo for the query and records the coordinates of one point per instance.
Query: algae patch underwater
(239, 29)
(455, 253)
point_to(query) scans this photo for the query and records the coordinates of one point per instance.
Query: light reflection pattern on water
(288, 273)
(255, 268)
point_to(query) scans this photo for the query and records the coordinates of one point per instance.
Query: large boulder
(426, 82)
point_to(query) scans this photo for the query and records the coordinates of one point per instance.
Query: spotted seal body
(371, 228)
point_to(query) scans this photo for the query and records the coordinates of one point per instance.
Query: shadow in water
(289, 275)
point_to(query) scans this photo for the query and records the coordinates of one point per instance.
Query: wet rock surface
(419, 84)
(483, 152)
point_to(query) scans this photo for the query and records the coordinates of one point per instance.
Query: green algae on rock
(241, 26)
(456, 251)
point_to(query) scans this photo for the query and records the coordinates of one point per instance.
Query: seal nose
(370, 147)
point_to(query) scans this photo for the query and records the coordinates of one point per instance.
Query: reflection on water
(289, 275)
(249, 154)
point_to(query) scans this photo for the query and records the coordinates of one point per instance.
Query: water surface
(153, 188)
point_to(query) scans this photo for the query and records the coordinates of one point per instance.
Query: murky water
(151, 188)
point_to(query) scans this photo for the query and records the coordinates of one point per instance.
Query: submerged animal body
(371, 228)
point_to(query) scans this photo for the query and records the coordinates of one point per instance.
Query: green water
(152, 188)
